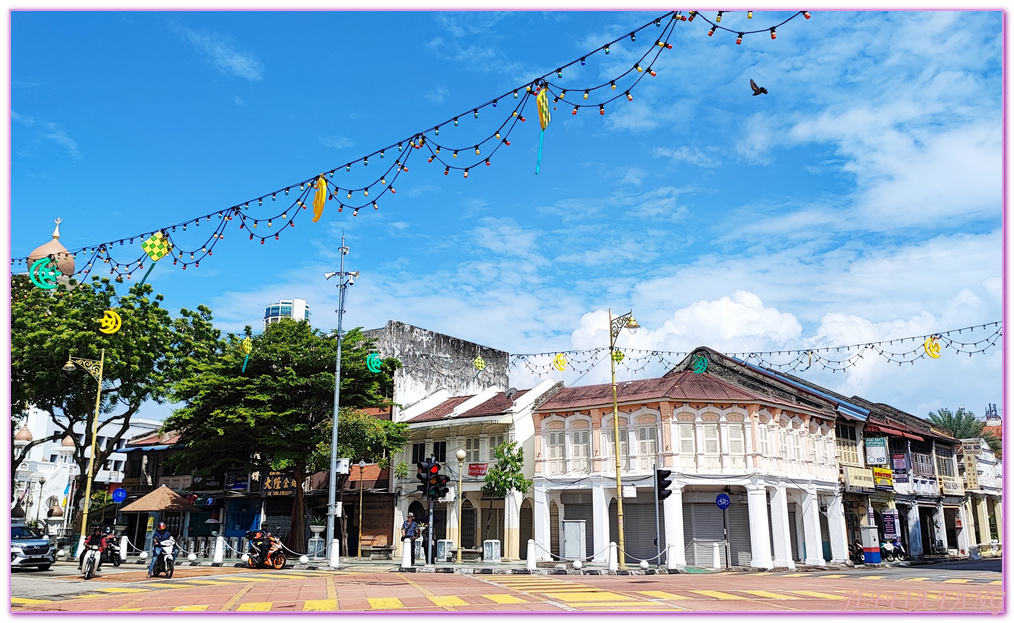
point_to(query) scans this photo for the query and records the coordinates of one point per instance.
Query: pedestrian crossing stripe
(385, 603)
(582, 597)
(24, 601)
(717, 594)
(817, 595)
(769, 595)
(957, 581)
(628, 607)
(318, 605)
(116, 589)
(287, 576)
(163, 585)
(125, 609)
(255, 606)
(794, 575)
(833, 575)
(180, 608)
(914, 579)
(245, 579)
(213, 582)
(661, 595)
(447, 601)
(872, 577)
(504, 599)
(997, 582)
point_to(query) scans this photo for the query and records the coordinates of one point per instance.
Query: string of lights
(356, 196)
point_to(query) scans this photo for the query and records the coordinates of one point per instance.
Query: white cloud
(436, 95)
(688, 154)
(222, 53)
(48, 131)
(337, 142)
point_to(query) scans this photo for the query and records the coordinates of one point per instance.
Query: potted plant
(317, 525)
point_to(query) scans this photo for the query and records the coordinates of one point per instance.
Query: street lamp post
(616, 325)
(42, 483)
(345, 279)
(460, 455)
(359, 547)
(93, 368)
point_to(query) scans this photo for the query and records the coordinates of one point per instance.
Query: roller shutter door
(638, 527)
(706, 527)
(583, 511)
(739, 535)
(792, 532)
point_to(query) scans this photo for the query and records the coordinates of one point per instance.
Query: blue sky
(859, 200)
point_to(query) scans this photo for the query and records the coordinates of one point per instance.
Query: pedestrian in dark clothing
(410, 529)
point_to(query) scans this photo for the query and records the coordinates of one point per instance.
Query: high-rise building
(297, 309)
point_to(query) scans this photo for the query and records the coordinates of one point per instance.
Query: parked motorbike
(112, 553)
(90, 562)
(166, 561)
(856, 553)
(896, 549)
(886, 552)
(275, 557)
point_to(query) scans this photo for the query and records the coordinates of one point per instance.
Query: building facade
(295, 309)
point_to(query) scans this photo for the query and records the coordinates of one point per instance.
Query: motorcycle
(112, 553)
(90, 562)
(165, 563)
(886, 552)
(856, 553)
(896, 549)
(275, 557)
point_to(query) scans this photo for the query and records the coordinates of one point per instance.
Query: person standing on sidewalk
(410, 530)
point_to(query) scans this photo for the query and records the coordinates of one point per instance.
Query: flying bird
(756, 89)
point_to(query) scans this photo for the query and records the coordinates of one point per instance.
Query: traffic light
(442, 485)
(423, 475)
(662, 483)
(433, 480)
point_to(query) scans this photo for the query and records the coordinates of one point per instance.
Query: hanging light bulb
(430, 159)
(400, 148)
(494, 103)
(515, 94)
(582, 61)
(559, 73)
(381, 153)
(749, 14)
(602, 109)
(629, 96)
(436, 131)
(348, 167)
(658, 22)
(392, 190)
(606, 49)
(437, 151)
(637, 66)
(286, 214)
(366, 192)
(475, 113)
(660, 44)
(652, 72)
(487, 162)
(739, 39)
(349, 196)
(286, 191)
(366, 162)
(613, 85)
(586, 94)
(455, 121)
(507, 142)
(632, 37)
(260, 201)
(719, 18)
(772, 33)
(693, 14)
(375, 206)
(574, 112)
(806, 14)
(497, 135)
(563, 94)
(274, 197)
(712, 31)
(355, 212)
(300, 187)
(446, 170)
(476, 150)
(455, 153)
(269, 222)
(383, 180)
(466, 173)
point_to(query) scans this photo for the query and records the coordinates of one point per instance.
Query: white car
(31, 548)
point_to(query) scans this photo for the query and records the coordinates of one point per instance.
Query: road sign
(119, 495)
(722, 501)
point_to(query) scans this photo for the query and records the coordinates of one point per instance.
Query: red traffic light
(435, 468)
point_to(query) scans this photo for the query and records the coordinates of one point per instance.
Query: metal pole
(429, 537)
(332, 487)
(91, 459)
(616, 447)
(359, 547)
(460, 493)
(658, 534)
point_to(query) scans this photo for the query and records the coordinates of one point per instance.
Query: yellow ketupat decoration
(542, 102)
(319, 198)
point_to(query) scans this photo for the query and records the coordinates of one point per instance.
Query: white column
(399, 518)
(914, 532)
(540, 520)
(998, 513)
(672, 514)
(780, 528)
(966, 535)
(760, 548)
(982, 519)
(940, 525)
(836, 528)
(600, 512)
(512, 524)
(811, 528)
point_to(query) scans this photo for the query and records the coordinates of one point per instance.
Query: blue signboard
(119, 495)
(722, 501)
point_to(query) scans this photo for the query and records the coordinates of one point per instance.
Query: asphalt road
(948, 586)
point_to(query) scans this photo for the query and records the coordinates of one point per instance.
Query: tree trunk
(343, 523)
(489, 515)
(297, 529)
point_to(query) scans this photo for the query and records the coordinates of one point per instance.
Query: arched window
(608, 443)
(763, 429)
(647, 441)
(580, 444)
(735, 428)
(556, 446)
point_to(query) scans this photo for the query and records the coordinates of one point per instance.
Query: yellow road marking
(718, 594)
(385, 603)
(624, 607)
(794, 575)
(254, 606)
(580, 597)
(89, 596)
(818, 595)
(873, 577)
(24, 601)
(445, 601)
(318, 605)
(217, 582)
(161, 585)
(286, 576)
(914, 579)
(768, 595)
(124, 609)
(202, 608)
(232, 600)
(957, 581)
(661, 595)
(244, 579)
(833, 575)
(504, 599)
(997, 582)
(332, 590)
(123, 590)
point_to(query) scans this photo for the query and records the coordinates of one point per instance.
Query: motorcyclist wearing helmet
(160, 535)
(95, 538)
(266, 540)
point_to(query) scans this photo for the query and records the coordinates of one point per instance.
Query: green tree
(505, 477)
(964, 425)
(149, 352)
(277, 413)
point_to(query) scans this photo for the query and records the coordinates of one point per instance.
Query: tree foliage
(277, 413)
(965, 425)
(151, 351)
(505, 477)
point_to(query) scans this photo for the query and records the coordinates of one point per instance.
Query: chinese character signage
(900, 467)
(971, 475)
(876, 450)
(278, 484)
(883, 478)
(477, 469)
(951, 486)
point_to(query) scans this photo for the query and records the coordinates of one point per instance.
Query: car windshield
(24, 532)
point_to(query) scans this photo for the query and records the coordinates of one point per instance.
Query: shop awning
(887, 430)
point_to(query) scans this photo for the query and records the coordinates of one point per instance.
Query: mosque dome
(23, 435)
(64, 260)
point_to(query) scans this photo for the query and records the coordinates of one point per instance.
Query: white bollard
(577, 565)
(219, 551)
(335, 561)
(716, 558)
(613, 558)
(530, 564)
(406, 552)
(123, 548)
(670, 558)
